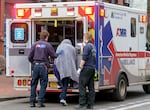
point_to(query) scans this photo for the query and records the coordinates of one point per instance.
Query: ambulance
(119, 36)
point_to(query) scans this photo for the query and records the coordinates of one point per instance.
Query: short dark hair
(44, 34)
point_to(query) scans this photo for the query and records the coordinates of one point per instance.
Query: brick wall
(1, 27)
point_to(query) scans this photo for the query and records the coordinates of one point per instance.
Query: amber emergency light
(144, 19)
(20, 12)
(102, 12)
(54, 11)
(89, 10)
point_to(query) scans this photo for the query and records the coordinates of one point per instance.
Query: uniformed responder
(86, 77)
(39, 57)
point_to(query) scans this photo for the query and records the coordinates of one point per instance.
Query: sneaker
(32, 104)
(63, 102)
(40, 104)
(80, 107)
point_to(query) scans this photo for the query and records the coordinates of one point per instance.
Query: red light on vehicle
(20, 12)
(19, 82)
(29, 82)
(38, 12)
(70, 11)
(12, 72)
(89, 10)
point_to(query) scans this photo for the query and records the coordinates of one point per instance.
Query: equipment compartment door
(18, 43)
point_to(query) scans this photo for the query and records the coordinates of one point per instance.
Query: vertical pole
(2, 27)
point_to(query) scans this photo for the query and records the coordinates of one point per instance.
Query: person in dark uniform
(39, 57)
(87, 67)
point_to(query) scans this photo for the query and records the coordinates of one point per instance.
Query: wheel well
(123, 73)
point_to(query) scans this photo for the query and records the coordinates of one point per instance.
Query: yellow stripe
(51, 75)
(92, 17)
(92, 32)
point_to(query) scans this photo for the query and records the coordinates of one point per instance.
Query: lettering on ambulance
(120, 32)
(118, 15)
(128, 62)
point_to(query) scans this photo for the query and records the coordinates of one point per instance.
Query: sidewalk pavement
(7, 90)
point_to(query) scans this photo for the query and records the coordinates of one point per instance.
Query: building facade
(2, 27)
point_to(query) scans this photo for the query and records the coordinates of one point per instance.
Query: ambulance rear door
(81, 27)
(18, 43)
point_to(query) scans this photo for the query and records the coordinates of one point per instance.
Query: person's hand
(59, 52)
(79, 70)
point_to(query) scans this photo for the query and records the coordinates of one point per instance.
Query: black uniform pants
(86, 80)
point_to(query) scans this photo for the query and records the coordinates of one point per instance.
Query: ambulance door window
(69, 30)
(39, 28)
(79, 31)
(19, 32)
(133, 27)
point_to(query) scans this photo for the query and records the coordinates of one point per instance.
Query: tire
(120, 92)
(146, 88)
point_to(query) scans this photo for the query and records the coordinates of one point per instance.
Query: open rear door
(81, 27)
(18, 43)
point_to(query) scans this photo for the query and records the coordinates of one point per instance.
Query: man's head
(87, 37)
(44, 35)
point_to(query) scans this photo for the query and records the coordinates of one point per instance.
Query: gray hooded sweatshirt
(66, 62)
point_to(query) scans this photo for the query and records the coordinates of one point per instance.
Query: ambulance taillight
(29, 82)
(19, 82)
(24, 82)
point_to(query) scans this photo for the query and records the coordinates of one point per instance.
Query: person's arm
(31, 54)
(84, 55)
(51, 51)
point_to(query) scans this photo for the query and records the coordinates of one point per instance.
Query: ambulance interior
(59, 30)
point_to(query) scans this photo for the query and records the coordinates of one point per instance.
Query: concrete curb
(12, 98)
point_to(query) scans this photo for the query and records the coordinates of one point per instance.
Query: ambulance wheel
(120, 92)
(146, 88)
